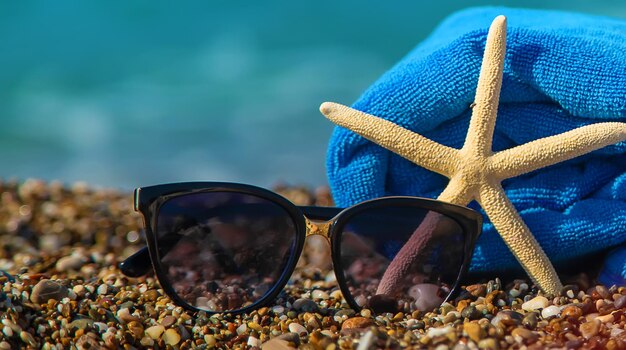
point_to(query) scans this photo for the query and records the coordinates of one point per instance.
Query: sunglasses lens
(223, 251)
(400, 258)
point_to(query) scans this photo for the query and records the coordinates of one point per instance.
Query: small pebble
(253, 341)
(471, 312)
(572, 311)
(474, 331)
(356, 322)
(550, 311)
(477, 290)
(530, 320)
(589, 329)
(46, 289)
(620, 302)
(155, 332)
(28, 338)
(488, 343)
(507, 318)
(306, 305)
(527, 336)
(168, 321)
(171, 337)
(243, 328)
(536, 303)
(319, 294)
(366, 341)
(297, 328)
(69, 263)
(278, 310)
(435, 332)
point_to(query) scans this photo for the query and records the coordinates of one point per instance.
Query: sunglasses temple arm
(140, 264)
(137, 264)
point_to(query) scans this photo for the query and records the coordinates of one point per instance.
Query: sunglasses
(231, 248)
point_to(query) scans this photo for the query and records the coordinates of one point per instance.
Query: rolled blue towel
(562, 71)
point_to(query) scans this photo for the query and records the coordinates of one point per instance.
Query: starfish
(475, 171)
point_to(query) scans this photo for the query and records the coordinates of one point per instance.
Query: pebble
(366, 341)
(471, 312)
(570, 290)
(136, 329)
(436, 332)
(530, 320)
(589, 329)
(526, 335)
(278, 310)
(550, 311)
(103, 289)
(81, 323)
(319, 294)
(167, 321)
(426, 296)
(507, 318)
(345, 312)
(493, 285)
(477, 290)
(306, 305)
(297, 328)
(155, 332)
(293, 338)
(488, 343)
(242, 329)
(253, 341)
(8, 276)
(572, 311)
(14, 327)
(171, 337)
(70, 263)
(28, 338)
(47, 289)
(620, 302)
(356, 322)
(474, 331)
(277, 344)
(536, 303)
(209, 340)
(86, 342)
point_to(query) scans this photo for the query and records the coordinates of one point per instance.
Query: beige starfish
(475, 172)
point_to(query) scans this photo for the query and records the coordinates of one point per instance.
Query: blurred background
(125, 94)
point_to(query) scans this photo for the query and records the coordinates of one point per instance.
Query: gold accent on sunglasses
(321, 228)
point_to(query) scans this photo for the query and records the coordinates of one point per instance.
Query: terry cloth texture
(562, 71)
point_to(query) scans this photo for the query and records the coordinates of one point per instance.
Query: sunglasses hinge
(321, 228)
(136, 199)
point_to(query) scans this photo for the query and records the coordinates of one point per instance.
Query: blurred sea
(125, 94)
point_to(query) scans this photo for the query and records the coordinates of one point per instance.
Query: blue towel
(562, 70)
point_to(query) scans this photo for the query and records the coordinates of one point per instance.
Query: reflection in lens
(431, 242)
(222, 251)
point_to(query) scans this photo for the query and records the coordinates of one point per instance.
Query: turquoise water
(131, 94)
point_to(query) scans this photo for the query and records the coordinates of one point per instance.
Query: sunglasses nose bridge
(321, 228)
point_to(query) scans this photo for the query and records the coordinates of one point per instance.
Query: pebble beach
(60, 288)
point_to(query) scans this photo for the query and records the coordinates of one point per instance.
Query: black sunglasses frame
(148, 200)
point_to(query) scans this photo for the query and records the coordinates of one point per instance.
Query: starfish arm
(408, 144)
(457, 192)
(518, 238)
(554, 149)
(409, 254)
(484, 112)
